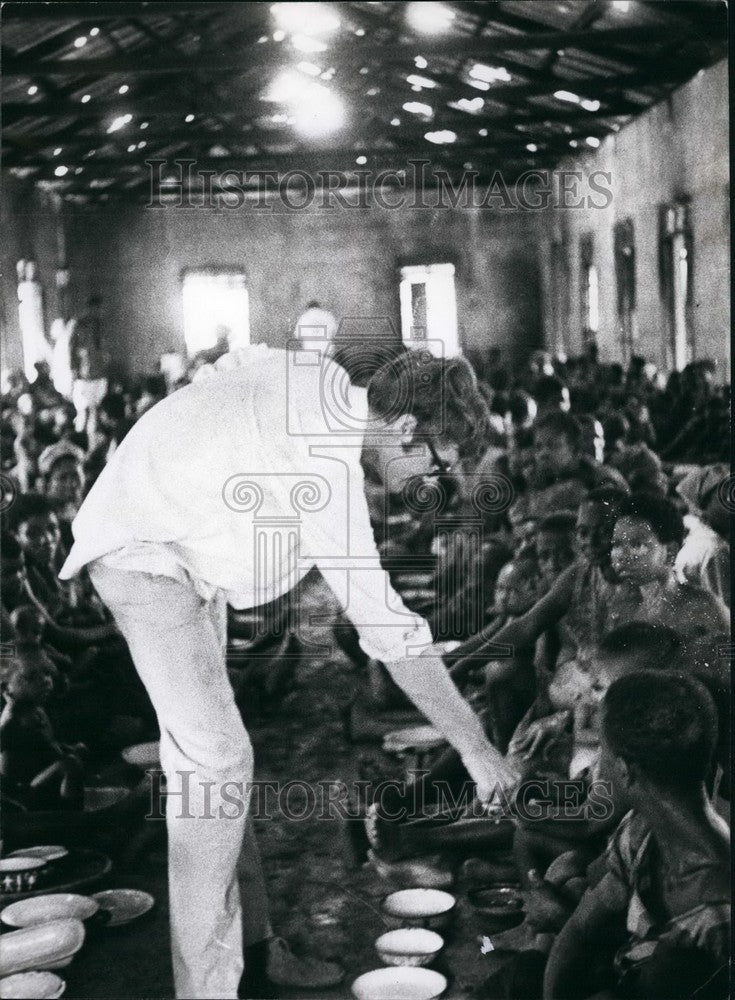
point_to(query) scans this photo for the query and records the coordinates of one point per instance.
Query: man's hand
(495, 777)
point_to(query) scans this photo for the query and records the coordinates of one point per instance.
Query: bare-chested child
(661, 910)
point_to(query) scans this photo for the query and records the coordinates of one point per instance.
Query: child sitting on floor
(539, 843)
(666, 888)
(563, 474)
(649, 532)
(37, 770)
(555, 546)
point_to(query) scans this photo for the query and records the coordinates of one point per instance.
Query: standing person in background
(315, 325)
(88, 365)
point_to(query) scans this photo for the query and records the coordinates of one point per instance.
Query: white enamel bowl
(430, 908)
(409, 946)
(44, 909)
(399, 984)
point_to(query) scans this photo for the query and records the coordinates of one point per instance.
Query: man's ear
(407, 426)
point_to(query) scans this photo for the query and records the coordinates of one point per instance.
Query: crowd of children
(589, 607)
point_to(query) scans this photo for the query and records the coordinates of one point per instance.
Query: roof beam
(249, 58)
(57, 11)
(578, 116)
(313, 161)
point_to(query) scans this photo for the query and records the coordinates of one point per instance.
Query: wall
(30, 229)
(347, 259)
(678, 148)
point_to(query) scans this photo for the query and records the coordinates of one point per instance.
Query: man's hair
(562, 424)
(442, 395)
(658, 644)
(548, 389)
(665, 724)
(656, 510)
(563, 522)
(28, 505)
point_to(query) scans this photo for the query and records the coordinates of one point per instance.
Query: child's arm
(461, 659)
(599, 909)
(586, 732)
(524, 631)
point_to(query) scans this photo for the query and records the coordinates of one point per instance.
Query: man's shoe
(286, 969)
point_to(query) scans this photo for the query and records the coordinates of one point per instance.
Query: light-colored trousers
(177, 642)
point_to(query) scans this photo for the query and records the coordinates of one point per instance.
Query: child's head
(516, 587)
(12, 571)
(28, 624)
(555, 545)
(33, 519)
(557, 442)
(632, 648)
(551, 395)
(648, 533)
(65, 481)
(659, 732)
(28, 676)
(595, 523)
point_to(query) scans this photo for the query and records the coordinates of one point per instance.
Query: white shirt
(704, 559)
(243, 482)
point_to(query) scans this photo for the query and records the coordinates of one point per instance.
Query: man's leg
(256, 925)
(205, 749)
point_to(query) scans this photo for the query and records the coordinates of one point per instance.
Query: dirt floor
(322, 902)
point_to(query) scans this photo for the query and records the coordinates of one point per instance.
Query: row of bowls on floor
(48, 930)
(415, 916)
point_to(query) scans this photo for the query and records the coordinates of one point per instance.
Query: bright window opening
(216, 310)
(429, 308)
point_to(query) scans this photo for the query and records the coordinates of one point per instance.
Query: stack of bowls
(415, 915)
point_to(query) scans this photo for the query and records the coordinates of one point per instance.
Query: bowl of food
(98, 799)
(502, 903)
(399, 984)
(21, 873)
(41, 947)
(45, 909)
(413, 946)
(47, 852)
(32, 986)
(428, 908)
(146, 756)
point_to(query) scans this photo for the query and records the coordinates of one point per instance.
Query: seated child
(573, 740)
(37, 770)
(664, 899)
(555, 546)
(649, 532)
(34, 521)
(563, 474)
(507, 699)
